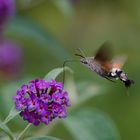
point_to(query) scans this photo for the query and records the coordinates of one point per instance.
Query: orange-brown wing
(107, 66)
(104, 54)
(119, 61)
(104, 57)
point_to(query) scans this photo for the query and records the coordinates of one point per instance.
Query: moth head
(84, 61)
(88, 61)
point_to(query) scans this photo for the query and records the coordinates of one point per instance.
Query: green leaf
(5, 129)
(25, 4)
(25, 28)
(64, 6)
(13, 113)
(55, 72)
(42, 138)
(70, 87)
(7, 93)
(92, 125)
(87, 91)
(6, 102)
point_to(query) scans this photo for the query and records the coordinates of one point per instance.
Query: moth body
(104, 65)
(93, 65)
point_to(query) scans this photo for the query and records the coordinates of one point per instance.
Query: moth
(105, 65)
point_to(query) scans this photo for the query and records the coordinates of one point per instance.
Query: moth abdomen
(117, 73)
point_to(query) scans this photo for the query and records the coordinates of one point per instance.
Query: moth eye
(85, 62)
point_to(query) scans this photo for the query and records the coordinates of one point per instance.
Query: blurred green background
(50, 31)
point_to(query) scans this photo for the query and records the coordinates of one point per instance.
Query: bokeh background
(49, 32)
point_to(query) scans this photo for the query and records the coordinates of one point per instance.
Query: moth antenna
(64, 64)
(79, 55)
(82, 53)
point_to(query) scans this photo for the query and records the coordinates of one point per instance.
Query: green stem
(20, 136)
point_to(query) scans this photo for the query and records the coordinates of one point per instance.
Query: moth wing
(104, 54)
(118, 61)
(106, 66)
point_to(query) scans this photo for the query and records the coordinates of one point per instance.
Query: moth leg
(109, 79)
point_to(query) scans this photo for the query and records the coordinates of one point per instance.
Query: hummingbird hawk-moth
(105, 65)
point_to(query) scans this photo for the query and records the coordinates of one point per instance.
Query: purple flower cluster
(42, 101)
(10, 53)
(7, 9)
(10, 58)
